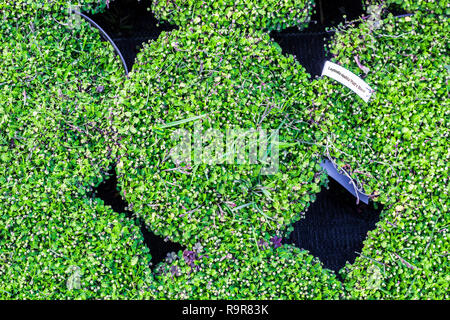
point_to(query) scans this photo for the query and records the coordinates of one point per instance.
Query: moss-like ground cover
(67, 115)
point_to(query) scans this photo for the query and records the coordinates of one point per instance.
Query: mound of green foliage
(56, 142)
(219, 80)
(55, 248)
(258, 15)
(396, 148)
(261, 271)
(216, 80)
(427, 6)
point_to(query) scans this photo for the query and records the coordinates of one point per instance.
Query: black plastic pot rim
(106, 36)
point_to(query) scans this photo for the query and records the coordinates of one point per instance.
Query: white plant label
(348, 79)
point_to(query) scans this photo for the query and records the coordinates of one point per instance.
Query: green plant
(429, 6)
(222, 79)
(395, 147)
(263, 272)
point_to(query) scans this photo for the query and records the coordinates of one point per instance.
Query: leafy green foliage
(70, 248)
(67, 115)
(395, 146)
(260, 273)
(248, 14)
(55, 142)
(431, 6)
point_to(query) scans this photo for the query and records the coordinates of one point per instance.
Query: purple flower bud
(276, 241)
(261, 243)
